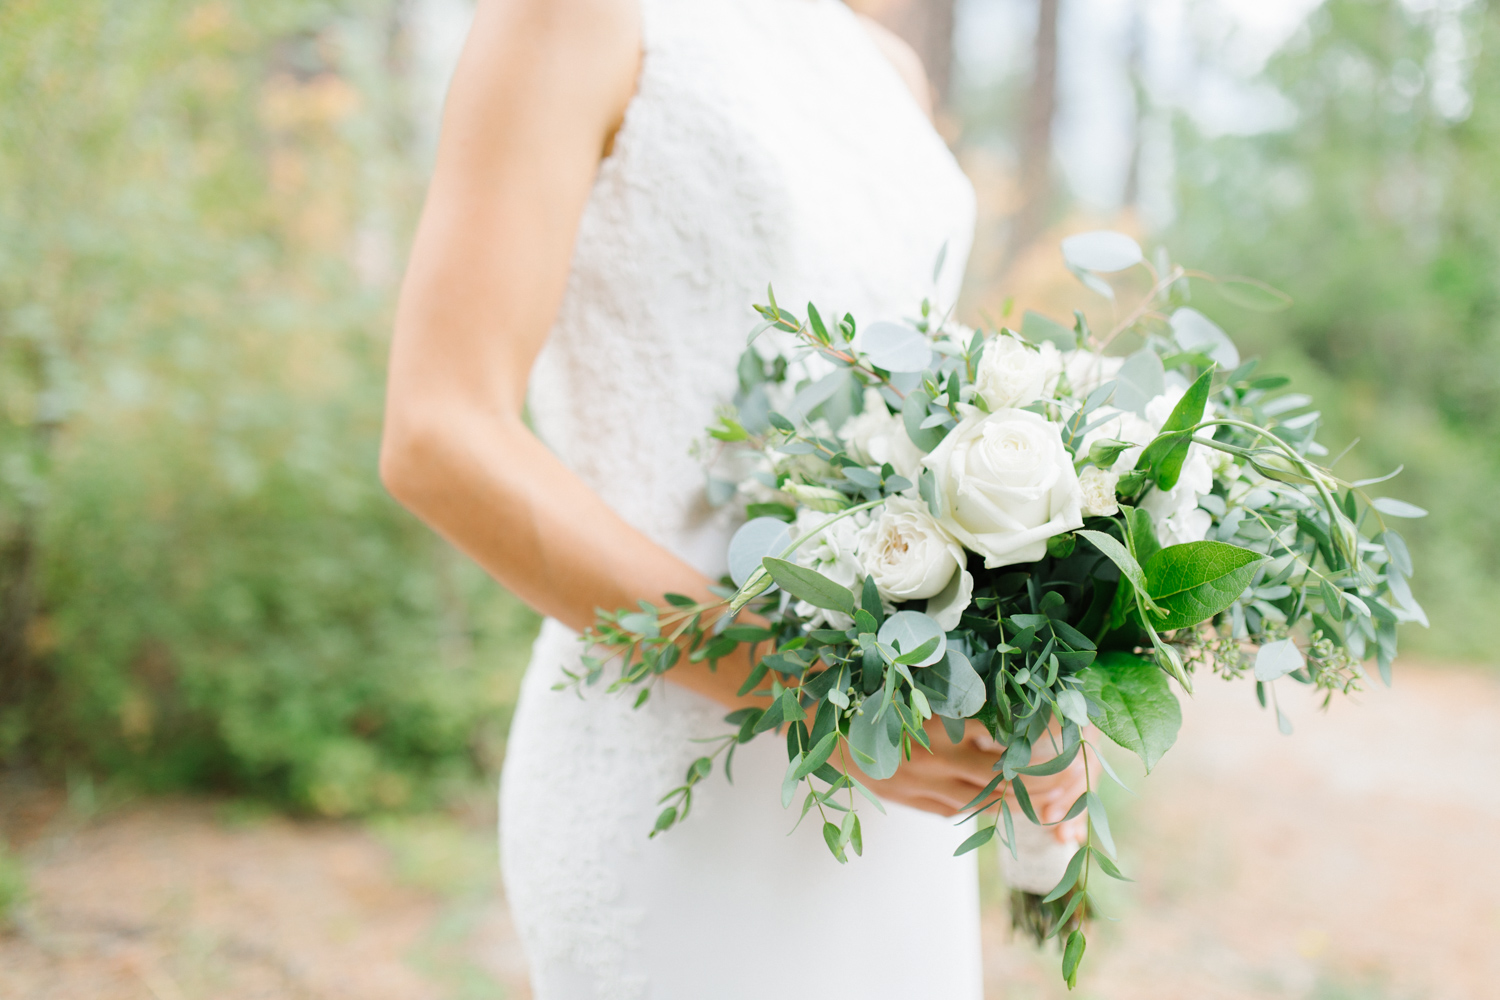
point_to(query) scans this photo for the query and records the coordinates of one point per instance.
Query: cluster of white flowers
(1002, 481)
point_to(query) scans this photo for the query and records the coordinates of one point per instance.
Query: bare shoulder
(590, 49)
(904, 58)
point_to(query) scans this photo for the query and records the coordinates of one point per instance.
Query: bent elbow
(409, 462)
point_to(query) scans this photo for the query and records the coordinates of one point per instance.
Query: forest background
(203, 212)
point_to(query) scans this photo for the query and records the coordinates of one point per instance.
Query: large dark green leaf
(810, 586)
(1130, 570)
(1135, 707)
(1196, 581)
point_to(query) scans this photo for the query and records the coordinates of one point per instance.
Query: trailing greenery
(1378, 210)
(202, 583)
(946, 525)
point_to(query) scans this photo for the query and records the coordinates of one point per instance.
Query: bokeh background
(251, 711)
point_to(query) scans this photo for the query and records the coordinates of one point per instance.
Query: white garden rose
(1013, 374)
(878, 436)
(1098, 486)
(910, 556)
(1007, 485)
(834, 552)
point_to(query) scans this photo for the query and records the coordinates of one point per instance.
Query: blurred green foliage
(202, 583)
(1378, 210)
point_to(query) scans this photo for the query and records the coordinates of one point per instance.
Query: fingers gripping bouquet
(1018, 528)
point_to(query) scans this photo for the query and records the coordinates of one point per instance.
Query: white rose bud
(1012, 374)
(1098, 486)
(878, 436)
(1007, 485)
(819, 498)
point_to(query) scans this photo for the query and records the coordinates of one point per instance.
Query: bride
(616, 182)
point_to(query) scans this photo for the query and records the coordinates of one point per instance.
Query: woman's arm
(538, 94)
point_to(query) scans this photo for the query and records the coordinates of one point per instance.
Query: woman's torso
(769, 142)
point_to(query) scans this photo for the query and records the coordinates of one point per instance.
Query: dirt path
(1355, 861)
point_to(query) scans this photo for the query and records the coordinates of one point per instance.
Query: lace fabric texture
(769, 140)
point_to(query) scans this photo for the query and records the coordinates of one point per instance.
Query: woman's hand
(947, 779)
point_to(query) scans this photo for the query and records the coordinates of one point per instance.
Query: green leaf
(1140, 531)
(1391, 507)
(913, 414)
(831, 838)
(1162, 459)
(1100, 819)
(1070, 876)
(1038, 329)
(1277, 659)
(1054, 765)
(1073, 707)
(665, 820)
(876, 742)
(1072, 955)
(810, 586)
(1136, 706)
(818, 756)
(1121, 557)
(912, 631)
(953, 687)
(1109, 867)
(1195, 581)
(976, 840)
(1023, 799)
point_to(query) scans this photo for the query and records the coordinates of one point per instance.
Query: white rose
(1012, 374)
(1007, 485)
(834, 552)
(1087, 371)
(878, 436)
(910, 556)
(1098, 486)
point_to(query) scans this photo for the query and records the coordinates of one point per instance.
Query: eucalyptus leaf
(1277, 659)
(756, 539)
(908, 630)
(1101, 250)
(1391, 507)
(1140, 380)
(894, 347)
(953, 687)
(1194, 331)
(1039, 329)
(876, 742)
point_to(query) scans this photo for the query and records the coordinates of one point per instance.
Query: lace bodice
(769, 141)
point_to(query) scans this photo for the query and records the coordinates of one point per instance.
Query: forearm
(484, 482)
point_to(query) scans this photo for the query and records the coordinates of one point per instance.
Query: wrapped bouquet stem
(1049, 531)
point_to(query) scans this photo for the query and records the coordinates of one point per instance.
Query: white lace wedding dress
(769, 141)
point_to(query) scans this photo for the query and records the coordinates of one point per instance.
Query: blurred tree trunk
(927, 26)
(1036, 135)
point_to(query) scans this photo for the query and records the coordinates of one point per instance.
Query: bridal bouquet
(1020, 528)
